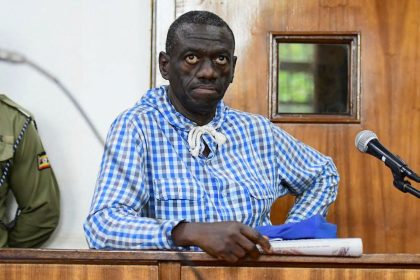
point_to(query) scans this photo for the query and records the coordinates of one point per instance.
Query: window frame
(352, 39)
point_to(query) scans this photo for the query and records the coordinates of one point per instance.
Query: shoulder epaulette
(9, 102)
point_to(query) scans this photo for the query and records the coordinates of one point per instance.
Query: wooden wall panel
(368, 205)
(80, 271)
(34, 264)
(211, 273)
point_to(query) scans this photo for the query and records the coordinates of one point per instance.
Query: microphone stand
(404, 185)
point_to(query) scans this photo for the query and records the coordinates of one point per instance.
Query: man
(26, 171)
(182, 169)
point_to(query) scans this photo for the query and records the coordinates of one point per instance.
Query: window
(314, 78)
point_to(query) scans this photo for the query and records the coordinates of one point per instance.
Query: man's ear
(233, 68)
(164, 65)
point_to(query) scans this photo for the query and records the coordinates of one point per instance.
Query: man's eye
(191, 59)
(221, 60)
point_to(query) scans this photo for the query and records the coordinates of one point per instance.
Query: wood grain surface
(212, 273)
(34, 264)
(80, 271)
(368, 205)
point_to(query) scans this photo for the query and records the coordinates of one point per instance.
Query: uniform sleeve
(117, 219)
(307, 174)
(36, 193)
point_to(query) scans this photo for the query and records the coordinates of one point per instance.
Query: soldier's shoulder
(6, 101)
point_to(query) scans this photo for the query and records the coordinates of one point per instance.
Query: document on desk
(342, 247)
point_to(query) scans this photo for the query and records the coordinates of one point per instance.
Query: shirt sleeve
(307, 174)
(116, 219)
(36, 192)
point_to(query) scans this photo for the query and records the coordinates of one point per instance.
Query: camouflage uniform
(26, 171)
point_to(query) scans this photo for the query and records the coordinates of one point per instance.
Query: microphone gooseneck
(16, 58)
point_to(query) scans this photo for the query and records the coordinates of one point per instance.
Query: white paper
(343, 247)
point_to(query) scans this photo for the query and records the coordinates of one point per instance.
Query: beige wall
(100, 50)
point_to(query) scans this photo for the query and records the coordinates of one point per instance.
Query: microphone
(11, 57)
(367, 142)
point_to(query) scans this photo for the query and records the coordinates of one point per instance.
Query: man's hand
(230, 241)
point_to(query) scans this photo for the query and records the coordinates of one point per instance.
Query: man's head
(199, 63)
(194, 17)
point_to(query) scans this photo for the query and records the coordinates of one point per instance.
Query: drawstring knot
(194, 137)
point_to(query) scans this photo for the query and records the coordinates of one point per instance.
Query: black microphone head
(363, 138)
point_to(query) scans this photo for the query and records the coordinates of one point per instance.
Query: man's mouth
(205, 89)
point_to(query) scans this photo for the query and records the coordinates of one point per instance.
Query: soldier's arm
(35, 188)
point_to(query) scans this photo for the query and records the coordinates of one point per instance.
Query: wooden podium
(33, 264)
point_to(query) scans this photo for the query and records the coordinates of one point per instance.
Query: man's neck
(199, 118)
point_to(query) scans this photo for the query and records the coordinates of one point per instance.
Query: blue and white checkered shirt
(149, 181)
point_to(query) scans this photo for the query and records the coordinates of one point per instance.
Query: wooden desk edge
(136, 257)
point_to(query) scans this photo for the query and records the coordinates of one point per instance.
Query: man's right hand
(230, 241)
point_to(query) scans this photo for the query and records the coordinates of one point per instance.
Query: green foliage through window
(295, 79)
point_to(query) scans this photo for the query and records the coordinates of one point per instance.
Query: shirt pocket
(6, 150)
(6, 147)
(6, 153)
(179, 199)
(249, 201)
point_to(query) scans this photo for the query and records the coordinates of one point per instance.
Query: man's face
(199, 68)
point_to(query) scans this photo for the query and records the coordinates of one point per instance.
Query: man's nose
(207, 70)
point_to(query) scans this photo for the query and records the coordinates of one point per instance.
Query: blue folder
(314, 227)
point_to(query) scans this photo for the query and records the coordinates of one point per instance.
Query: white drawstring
(194, 137)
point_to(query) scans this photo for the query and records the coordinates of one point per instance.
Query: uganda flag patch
(43, 162)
